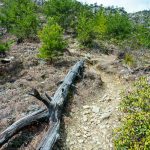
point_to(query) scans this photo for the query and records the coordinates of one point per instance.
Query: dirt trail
(91, 125)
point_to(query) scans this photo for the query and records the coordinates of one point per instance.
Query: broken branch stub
(47, 101)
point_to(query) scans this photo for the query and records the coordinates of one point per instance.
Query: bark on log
(54, 105)
(18, 125)
(57, 102)
(51, 136)
(141, 69)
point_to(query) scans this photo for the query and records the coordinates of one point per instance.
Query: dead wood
(54, 105)
(57, 102)
(141, 69)
(18, 125)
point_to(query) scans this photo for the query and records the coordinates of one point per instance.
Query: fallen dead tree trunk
(51, 136)
(57, 103)
(54, 105)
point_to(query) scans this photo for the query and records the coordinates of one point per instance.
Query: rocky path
(91, 124)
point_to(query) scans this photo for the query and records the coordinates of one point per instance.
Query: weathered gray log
(18, 125)
(27, 120)
(57, 102)
(51, 136)
(54, 105)
(141, 69)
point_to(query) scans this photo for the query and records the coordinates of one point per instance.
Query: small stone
(88, 134)
(95, 109)
(67, 140)
(86, 112)
(88, 56)
(85, 132)
(81, 141)
(85, 118)
(104, 97)
(78, 134)
(85, 136)
(72, 143)
(111, 145)
(105, 116)
(85, 128)
(98, 121)
(102, 127)
(29, 78)
(86, 107)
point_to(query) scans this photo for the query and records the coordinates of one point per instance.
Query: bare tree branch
(37, 95)
(18, 125)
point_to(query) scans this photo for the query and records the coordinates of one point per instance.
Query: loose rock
(95, 109)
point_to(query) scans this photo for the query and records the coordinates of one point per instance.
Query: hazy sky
(129, 5)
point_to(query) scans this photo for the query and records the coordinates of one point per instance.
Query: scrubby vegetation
(95, 27)
(51, 37)
(3, 47)
(64, 11)
(85, 32)
(129, 60)
(19, 18)
(134, 132)
(87, 22)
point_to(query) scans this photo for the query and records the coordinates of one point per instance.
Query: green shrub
(19, 17)
(134, 132)
(118, 25)
(4, 47)
(139, 99)
(129, 60)
(129, 43)
(100, 25)
(139, 38)
(143, 35)
(51, 37)
(85, 32)
(63, 11)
